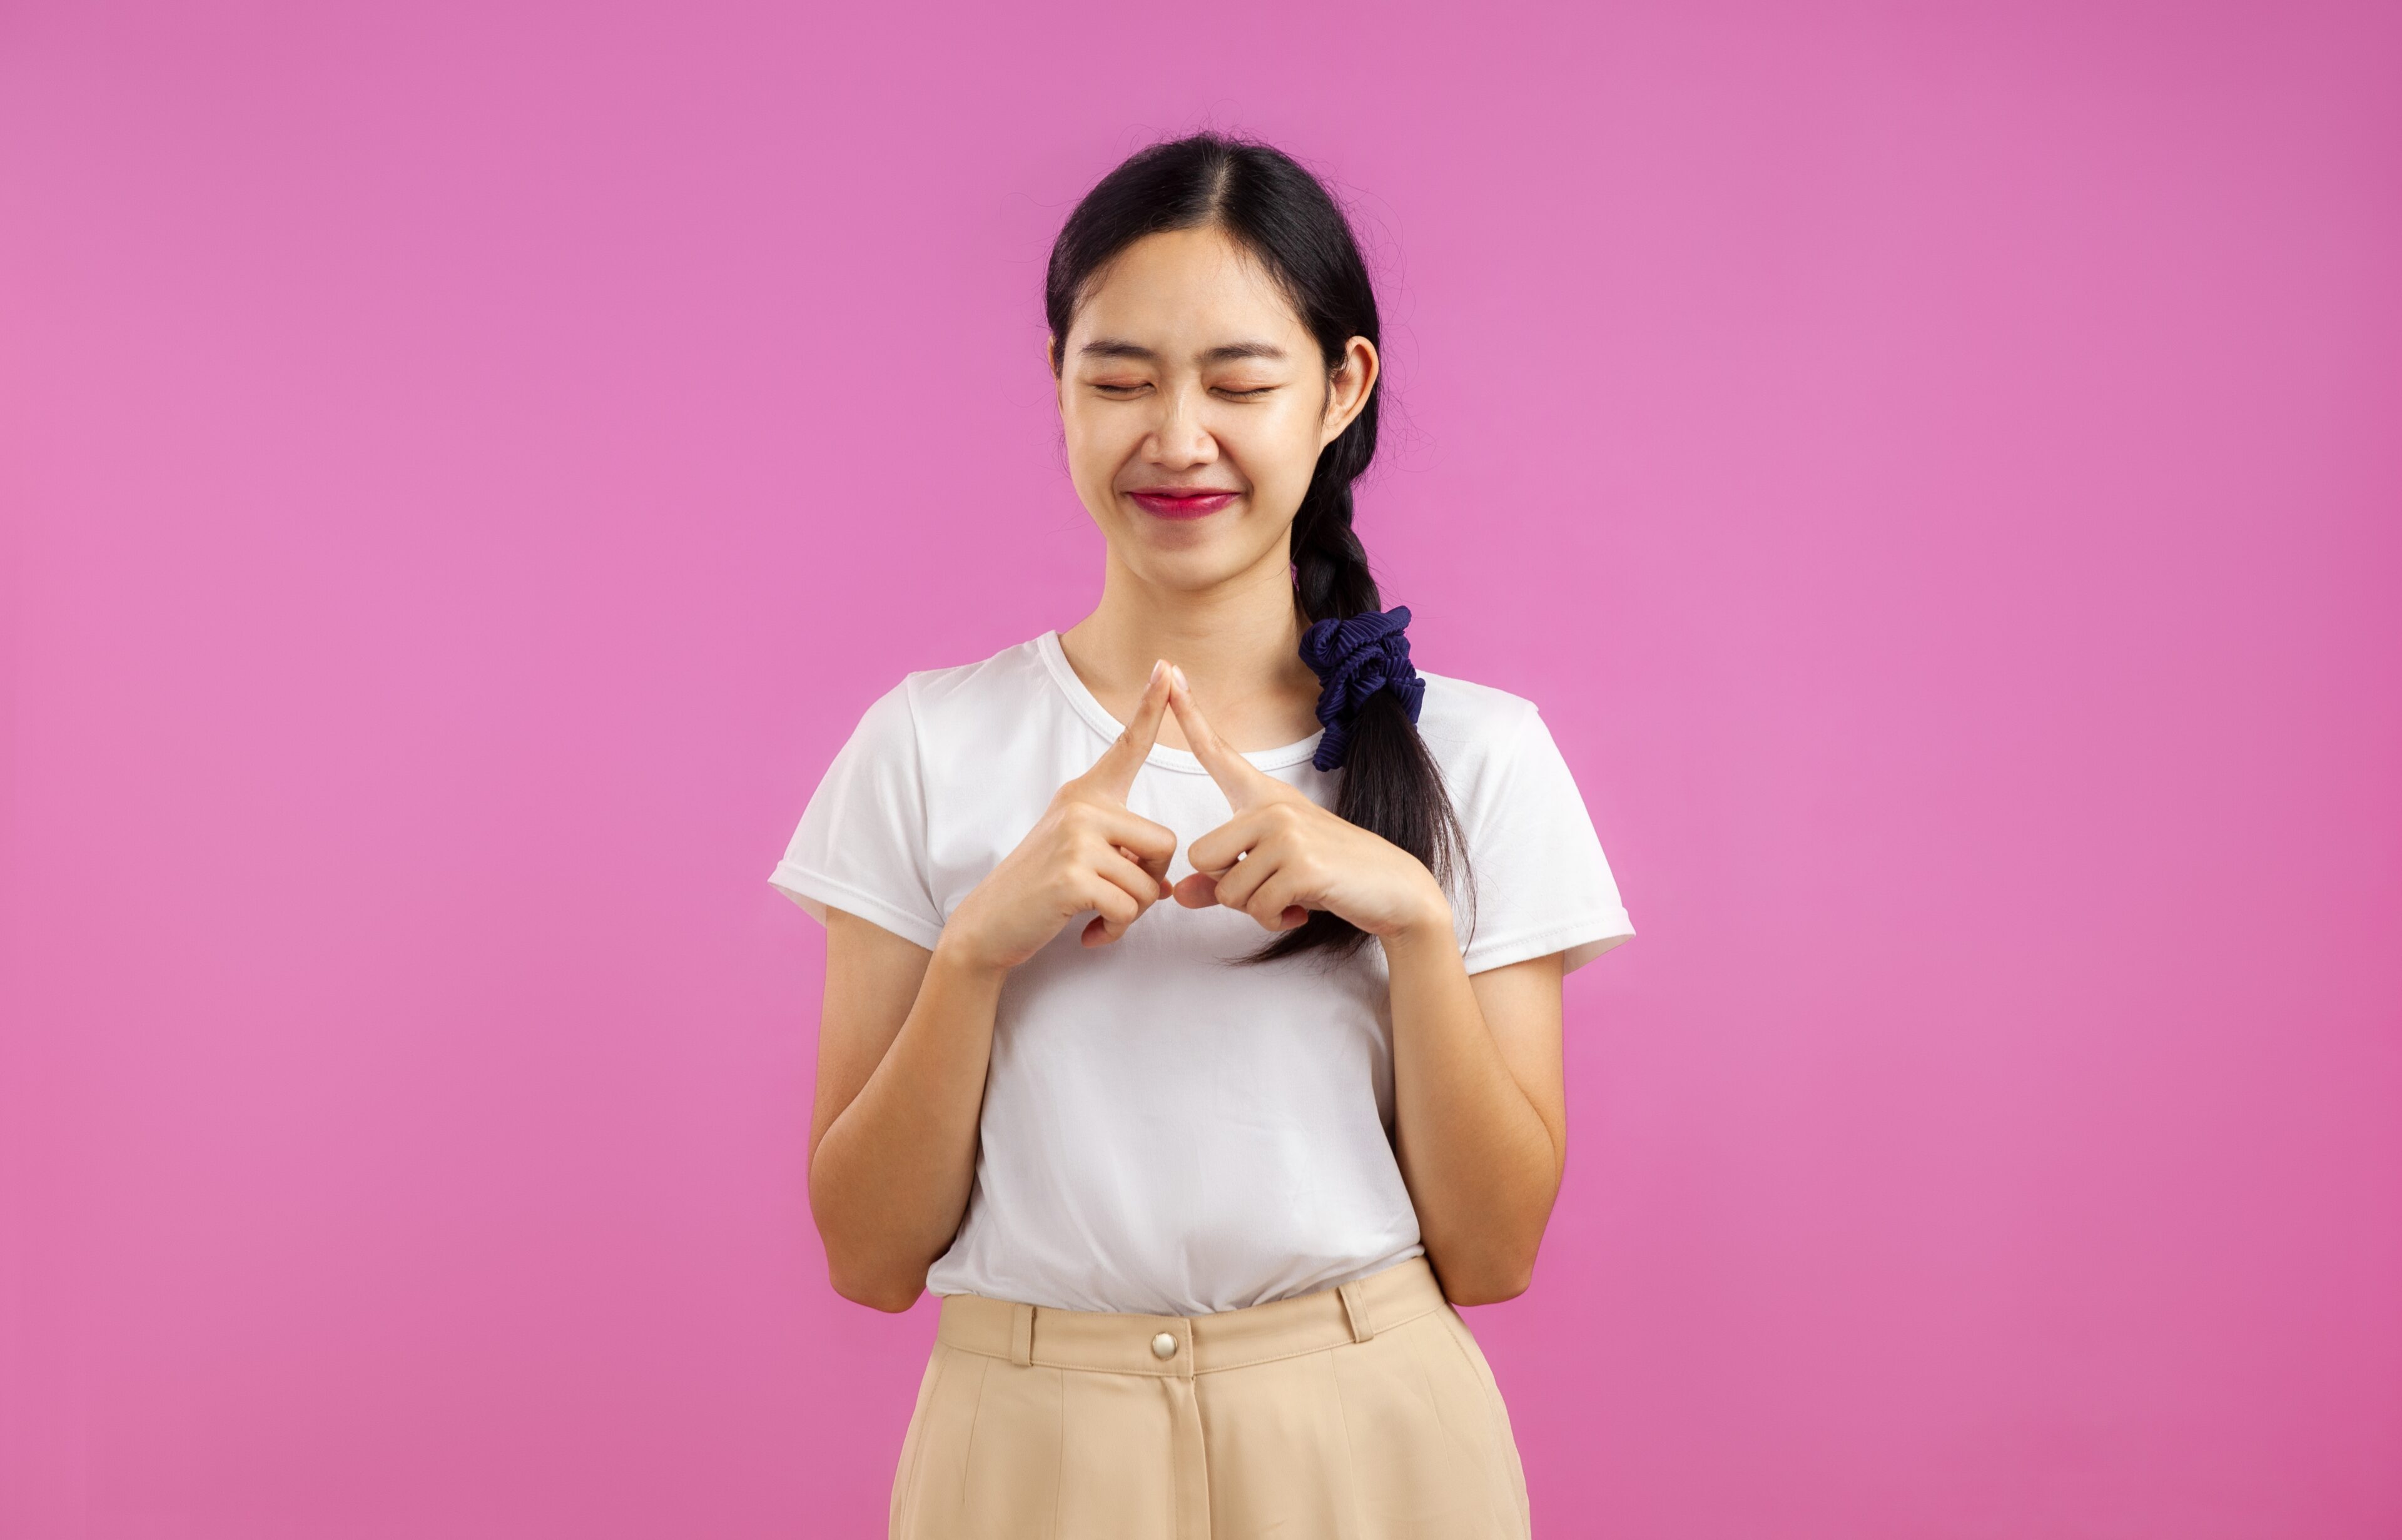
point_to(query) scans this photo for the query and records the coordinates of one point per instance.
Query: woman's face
(1195, 403)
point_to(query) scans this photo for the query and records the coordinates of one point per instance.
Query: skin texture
(1191, 610)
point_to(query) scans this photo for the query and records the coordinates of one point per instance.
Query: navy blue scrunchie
(1353, 659)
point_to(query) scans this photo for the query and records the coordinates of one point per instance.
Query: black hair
(1272, 206)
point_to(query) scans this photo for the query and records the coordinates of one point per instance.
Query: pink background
(465, 469)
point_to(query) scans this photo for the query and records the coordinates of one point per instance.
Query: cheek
(1098, 446)
(1277, 449)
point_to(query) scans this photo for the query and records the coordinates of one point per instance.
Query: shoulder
(960, 698)
(1492, 744)
(1014, 668)
(1461, 719)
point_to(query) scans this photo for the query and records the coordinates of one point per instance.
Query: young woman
(1200, 1181)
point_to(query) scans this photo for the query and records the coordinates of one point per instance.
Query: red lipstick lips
(1182, 502)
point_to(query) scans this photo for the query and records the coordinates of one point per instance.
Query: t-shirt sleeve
(861, 845)
(1542, 883)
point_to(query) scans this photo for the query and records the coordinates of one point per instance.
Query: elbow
(895, 1301)
(1494, 1288)
(1492, 1279)
(858, 1267)
(886, 1292)
(870, 1276)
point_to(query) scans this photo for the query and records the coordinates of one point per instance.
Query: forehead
(1193, 287)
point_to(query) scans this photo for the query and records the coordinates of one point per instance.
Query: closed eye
(1117, 391)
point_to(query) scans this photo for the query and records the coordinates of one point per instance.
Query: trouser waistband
(1181, 1346)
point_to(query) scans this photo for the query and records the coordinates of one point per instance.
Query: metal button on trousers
(1361, 1412)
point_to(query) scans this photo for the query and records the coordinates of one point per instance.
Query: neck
(1239, 640)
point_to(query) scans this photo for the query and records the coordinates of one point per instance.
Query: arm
(1480, 1115)
(902, 1046)
(1480, 1127)
(906, 1036)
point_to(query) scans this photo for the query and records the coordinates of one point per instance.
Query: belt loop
(1355, 1307)
(1021, 1334)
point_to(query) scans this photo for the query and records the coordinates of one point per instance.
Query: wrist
(1430, 925)
(956, 956)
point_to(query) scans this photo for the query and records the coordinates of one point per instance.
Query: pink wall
(466, 468)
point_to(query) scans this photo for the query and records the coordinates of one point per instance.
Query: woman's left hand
(1282, 855)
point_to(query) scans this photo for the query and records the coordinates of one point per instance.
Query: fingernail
(1156, 670)
(1182, 681)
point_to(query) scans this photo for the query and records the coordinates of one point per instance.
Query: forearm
(891, 1175)
(1481, 1163)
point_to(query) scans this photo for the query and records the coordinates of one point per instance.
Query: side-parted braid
(1387, 766)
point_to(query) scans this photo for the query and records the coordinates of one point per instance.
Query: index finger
(1243, 782)
(1113, 773)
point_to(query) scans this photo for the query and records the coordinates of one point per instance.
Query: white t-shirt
(1162, 1132)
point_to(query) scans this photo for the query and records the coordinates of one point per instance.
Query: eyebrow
(1111, 346)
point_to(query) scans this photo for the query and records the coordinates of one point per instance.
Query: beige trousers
(1361, 1412)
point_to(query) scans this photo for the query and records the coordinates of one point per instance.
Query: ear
(1347, 387)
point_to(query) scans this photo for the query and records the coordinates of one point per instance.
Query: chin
(1193, 567)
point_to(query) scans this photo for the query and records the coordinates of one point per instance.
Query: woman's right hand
(1087, 853)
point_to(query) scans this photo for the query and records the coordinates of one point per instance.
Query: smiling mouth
(1182, 502)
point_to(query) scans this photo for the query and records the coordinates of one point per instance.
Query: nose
(1180, 438)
